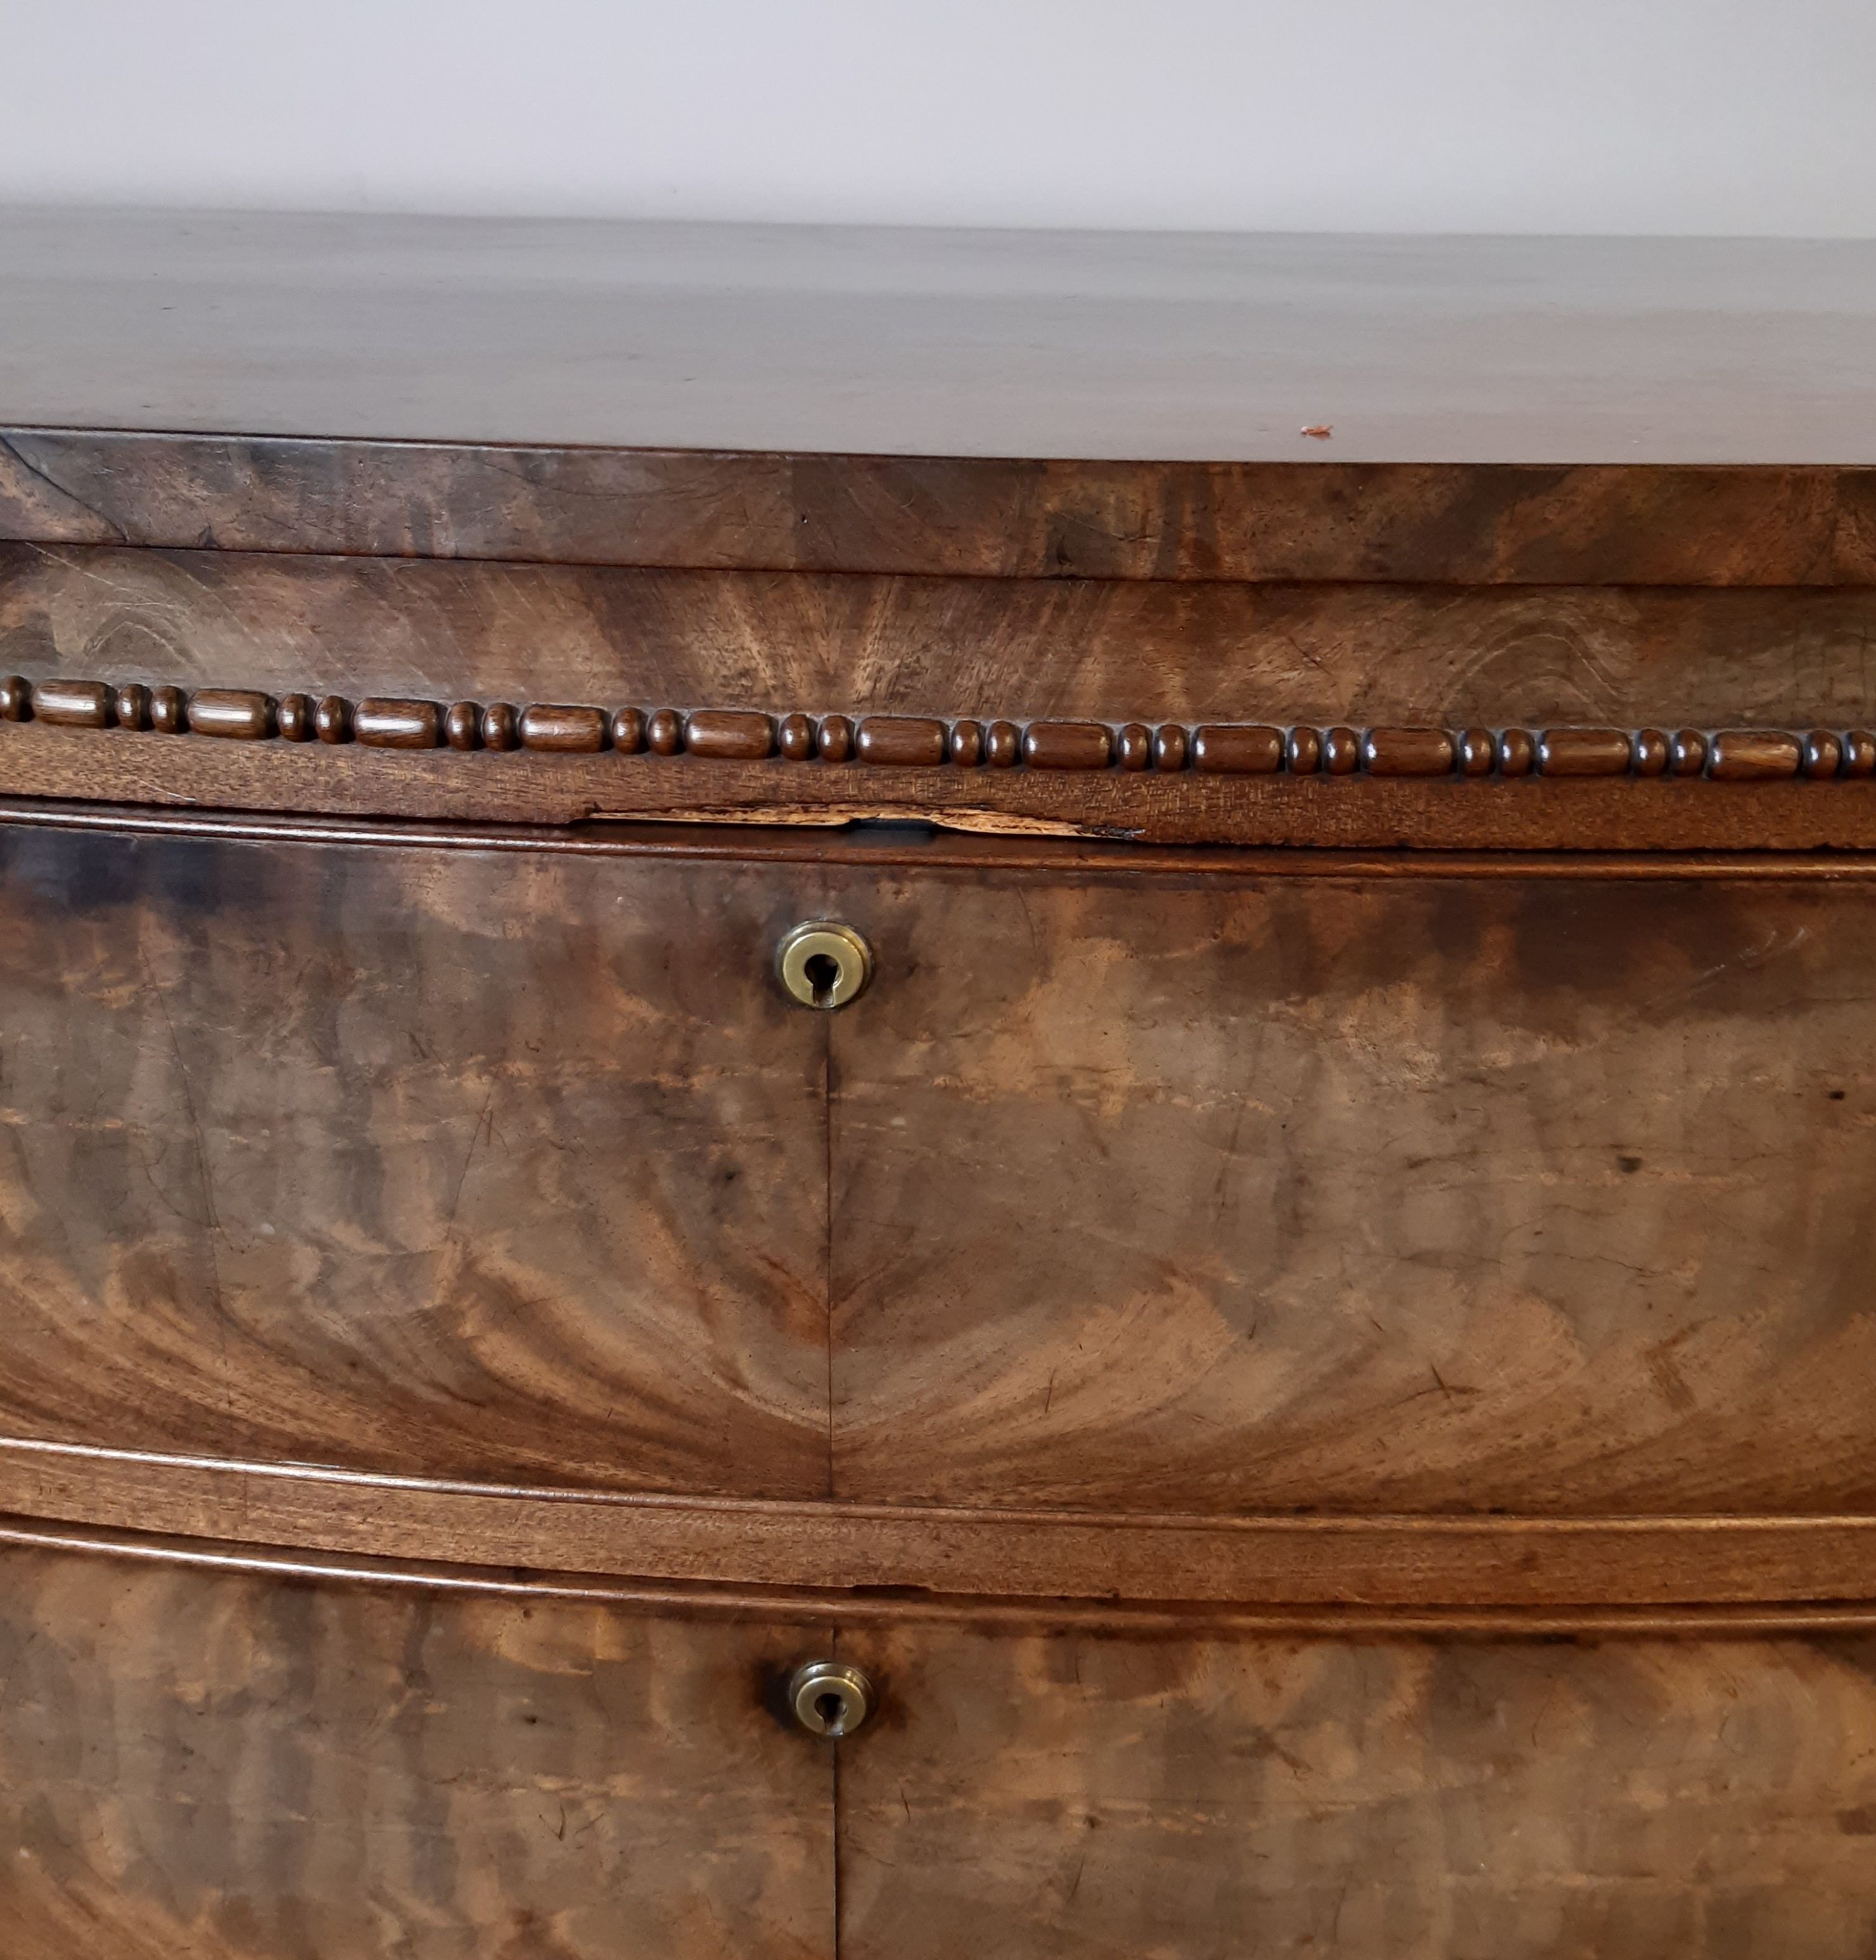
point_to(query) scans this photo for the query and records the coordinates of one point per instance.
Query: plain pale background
(1725, 117)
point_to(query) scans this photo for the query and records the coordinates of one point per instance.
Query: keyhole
(823, 964)
(823, 973)
(829, 1698)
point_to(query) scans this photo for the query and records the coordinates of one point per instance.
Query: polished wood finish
(1230, 751)
(1384, 655)
(1474, 523)
(1003, 744)
(1408, 751)
(168, 710)
(1728, 1384)
(1550, 1198)
(929, 847)
(1306, 1333)
(834, 739)
(1593, 751)
(1069, 745)
(843, 342)
(898, 741)
(419, 1161)
(1547, 1564)
(62, 703)
(230, 712)
(1751, 755)
(200, 1765)
(828, 1610)
(393, 724)
(556, 728)
(729, 735)
(1381, 1800)
(419, 663)
(1171, 806)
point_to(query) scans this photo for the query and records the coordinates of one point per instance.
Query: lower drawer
(218, 1765)
(204, 1764)
(1030, 1797)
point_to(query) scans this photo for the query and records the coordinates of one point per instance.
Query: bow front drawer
(441, 1163)
(1472, 1189)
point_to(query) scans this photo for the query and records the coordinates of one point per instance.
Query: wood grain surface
(1025, 649)
(222, 1766)
(482, 789)
(1392, 1800)
(925, 847)
(500, 1166)
(1553, 1198)
(992, 1551)
(1199, 1196)
(828, 1609)
(1256, 1356)
(969, 517)
(644, 646)
(923, 742)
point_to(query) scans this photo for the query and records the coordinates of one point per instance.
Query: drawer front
(197, 1765)
(1422, 1194)
(1069, 1796)
(450, 1163)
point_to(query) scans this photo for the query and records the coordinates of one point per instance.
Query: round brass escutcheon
(823, 965)
(829, 1698)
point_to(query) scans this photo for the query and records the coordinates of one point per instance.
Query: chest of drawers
(1277, 1292)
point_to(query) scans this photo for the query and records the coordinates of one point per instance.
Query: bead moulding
(747, 735)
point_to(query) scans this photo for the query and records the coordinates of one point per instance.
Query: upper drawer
(1448, 1193)
(1452, 1192)
(455, 1164)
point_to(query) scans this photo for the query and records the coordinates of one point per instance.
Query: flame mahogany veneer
(1311, 1329)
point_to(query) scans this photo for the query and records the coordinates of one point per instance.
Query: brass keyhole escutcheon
(823, 965)
(829, 1698)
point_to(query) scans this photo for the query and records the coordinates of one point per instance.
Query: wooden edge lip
(1496, 1525)
(1162, 1561)
(1196, 1619)
(1292, 520)
(900, 846)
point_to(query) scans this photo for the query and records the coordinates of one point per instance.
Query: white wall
(1699, 116)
